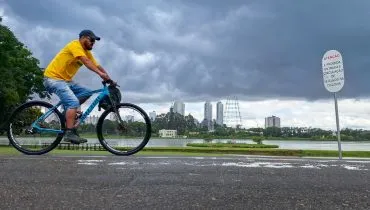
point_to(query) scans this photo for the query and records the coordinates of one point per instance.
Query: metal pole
(338, 131)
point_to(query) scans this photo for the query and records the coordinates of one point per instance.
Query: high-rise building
(220, 113)
(272, 121)
(152, 116)
(93, 119)
(208, 114)
(129, 118)
(112, 116)
(179, 107)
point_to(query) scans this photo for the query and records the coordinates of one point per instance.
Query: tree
(174, 121)
(25, 119)
(20, 75)
(272, 131)
(190, 123)
(257, 139)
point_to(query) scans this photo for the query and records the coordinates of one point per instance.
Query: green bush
(231, 145)
(257, 139)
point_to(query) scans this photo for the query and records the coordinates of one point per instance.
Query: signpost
(333, 75)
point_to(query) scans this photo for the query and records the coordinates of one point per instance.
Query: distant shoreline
(227, 138)
(268, 139)
(206, 151)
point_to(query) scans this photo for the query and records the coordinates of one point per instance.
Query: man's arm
(102, 69)
(97, 69)
(78, 52)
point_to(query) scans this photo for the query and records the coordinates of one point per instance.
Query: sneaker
(72, 137)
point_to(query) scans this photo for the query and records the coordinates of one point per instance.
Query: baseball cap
(89, 33)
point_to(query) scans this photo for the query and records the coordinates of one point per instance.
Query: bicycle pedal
(78, 115)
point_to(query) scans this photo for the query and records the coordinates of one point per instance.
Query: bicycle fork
(121, 125)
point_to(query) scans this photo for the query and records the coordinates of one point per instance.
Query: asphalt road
(58, 182)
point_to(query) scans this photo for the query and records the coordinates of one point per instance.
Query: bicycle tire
(136, 149)
(51, 146)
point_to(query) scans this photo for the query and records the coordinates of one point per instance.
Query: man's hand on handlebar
(104, 76)
(111, 82)
(107, 79)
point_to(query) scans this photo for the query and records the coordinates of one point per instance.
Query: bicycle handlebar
(111, 82)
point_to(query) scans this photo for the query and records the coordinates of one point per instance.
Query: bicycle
(33, 120)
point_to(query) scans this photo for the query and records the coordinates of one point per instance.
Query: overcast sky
(266, 52)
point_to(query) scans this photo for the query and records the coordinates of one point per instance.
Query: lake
(283, 144)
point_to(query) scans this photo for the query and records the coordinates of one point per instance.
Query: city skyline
(216, 115)
(258, 111)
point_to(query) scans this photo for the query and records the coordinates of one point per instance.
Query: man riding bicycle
(60, 71)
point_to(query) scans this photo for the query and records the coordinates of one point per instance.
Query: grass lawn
(206, 151)
(13, 151)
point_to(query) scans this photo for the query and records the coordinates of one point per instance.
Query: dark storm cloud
(198, 50)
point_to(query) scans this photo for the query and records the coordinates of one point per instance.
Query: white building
(220, 113)
(152, 115)
(129, 118)
(179, 107)
(92, 120)
(208, 114)
(167, 133)
(272, 121)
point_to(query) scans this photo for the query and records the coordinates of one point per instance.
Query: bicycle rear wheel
(39, 138)
(127, 135)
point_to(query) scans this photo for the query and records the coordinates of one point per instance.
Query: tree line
(187, 126)
(20, 74)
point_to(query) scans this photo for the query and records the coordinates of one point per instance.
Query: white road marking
(89, 162)
(248, 163)
(310, 166)
(122, 163)
(353, 168)
(276, 165)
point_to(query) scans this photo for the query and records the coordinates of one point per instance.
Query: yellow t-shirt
(66, 63)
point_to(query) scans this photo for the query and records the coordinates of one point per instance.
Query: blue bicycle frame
(103, 92)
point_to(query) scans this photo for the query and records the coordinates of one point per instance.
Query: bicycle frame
(103, 92)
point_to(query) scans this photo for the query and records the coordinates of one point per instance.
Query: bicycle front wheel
(35, 128)
(126, 131)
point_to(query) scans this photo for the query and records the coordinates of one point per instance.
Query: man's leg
(70, 103)
(77, 90)
(70, 117)
(80, 90)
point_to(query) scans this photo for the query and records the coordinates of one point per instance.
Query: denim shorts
(66, 91)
